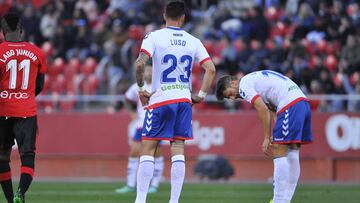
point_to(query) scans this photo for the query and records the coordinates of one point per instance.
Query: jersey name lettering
(178, 42)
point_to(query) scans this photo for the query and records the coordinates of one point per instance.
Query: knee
(279, 150)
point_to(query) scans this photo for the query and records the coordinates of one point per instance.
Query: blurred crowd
(91, 44)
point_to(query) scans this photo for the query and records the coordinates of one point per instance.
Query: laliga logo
(17, 95)
(350, 137)
(205, 137)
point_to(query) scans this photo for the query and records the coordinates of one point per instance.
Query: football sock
(158, 170)
(27, 172)
(281, 177)
(144, 176)
(133, 163)
(5, 180)
(294, 164)
(177, 177)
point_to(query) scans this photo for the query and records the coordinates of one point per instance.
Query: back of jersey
(20, 62)
(173, 52)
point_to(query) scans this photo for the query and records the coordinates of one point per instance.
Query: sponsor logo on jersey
(13, 95)
(294, 87)
(174, 86)
(343, 132)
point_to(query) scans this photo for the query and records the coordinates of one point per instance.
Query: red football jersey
(20, 62)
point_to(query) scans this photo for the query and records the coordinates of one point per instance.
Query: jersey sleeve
(247, 90)
(148, 45)
(201, 54)
(132, 93)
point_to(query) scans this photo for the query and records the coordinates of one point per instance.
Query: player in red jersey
(22, 73)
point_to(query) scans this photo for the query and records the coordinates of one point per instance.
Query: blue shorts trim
(168, 122)
(294, 125)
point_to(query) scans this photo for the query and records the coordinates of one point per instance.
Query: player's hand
(145, 97)
(266, 146)
(196, 99)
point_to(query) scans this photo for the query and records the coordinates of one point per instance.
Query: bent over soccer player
(22, 69)
(271, 91)
(169, 113)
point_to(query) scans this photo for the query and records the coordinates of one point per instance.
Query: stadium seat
(331, 63)
(88, 67)
(88, 85)
(47, 49)
(56, 67)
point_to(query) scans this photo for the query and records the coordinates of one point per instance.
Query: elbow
(212, 70)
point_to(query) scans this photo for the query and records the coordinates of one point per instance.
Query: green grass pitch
(53, 192)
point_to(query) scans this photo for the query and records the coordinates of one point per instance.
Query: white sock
(281, 177)
(294, 164)
(144, 176)
(177, 177)
(133, 163)
(159, 168)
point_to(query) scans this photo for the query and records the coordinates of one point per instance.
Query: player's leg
(183, 131)
(281, 172)
(146, 169)
(294, 166)
(177, 169)
(158, 170)
(280, 135)
(158, 125)
(6, 142)
(133, 163)
(305, 136)
(25, 130)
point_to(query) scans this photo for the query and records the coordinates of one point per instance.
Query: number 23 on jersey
(184, 62)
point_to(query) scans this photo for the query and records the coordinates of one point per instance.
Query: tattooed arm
(140, 69)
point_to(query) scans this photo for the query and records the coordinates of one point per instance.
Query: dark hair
(175, 9)
(222, 84)
(12, 20)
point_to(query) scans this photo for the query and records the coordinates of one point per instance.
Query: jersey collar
(173, 28)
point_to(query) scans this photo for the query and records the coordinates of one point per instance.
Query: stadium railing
(89, 103)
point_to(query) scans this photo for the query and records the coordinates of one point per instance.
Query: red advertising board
(238, 133)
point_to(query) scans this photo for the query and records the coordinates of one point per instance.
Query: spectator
(49, 23)
(350, 55)
(89, 7)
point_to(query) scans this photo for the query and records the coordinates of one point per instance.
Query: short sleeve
(201, 54)
(132, 93)
(247, 91)
(148, 45)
